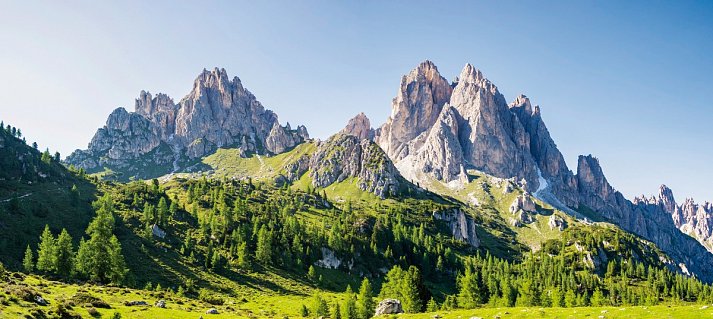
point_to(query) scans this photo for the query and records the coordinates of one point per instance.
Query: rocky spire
(421, 96)
(359, 126)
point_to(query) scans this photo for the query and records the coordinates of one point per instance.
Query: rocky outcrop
(359, 126)
(695, 220)
(557, 222)
(462, 226)
(218, 112)
(691, 218)
(388, 307)
(345, 156)
(282, 139)
(523, 203)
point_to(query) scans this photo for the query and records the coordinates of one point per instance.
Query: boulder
(388, 307)
(160, 304)
(211, 311)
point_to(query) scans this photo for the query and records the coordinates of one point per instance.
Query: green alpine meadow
(456, 203)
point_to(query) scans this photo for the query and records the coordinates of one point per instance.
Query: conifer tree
(27, 262)
(263, 252)
(47, 252)
(100, 257)
(350, 306)
(365, 303)
(469, 290)
(65, 254)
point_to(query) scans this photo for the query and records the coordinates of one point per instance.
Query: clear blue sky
(627, 81)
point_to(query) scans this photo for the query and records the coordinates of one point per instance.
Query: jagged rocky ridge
(160, 135)
(439, 131)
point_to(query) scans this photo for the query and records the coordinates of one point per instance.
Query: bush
(82, 298)
(210, 297)
(22, 292)
(116, 315)
(94, 312)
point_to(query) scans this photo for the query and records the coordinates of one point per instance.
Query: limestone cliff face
(415, 108)
(218, 112)
(359, 126)
(560, 180)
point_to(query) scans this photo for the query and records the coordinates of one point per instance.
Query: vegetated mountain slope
(36, 190)
(161, 136)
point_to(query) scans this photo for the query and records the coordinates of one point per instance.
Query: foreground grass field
(639, 312)
(78, 301)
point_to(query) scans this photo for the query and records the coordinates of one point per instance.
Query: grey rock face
(492, 138)
(344, 156)
(388, 307)
(415, 108)
(360, 127)
(462, 226)
(556, 222)
(468, 126)
(218, 112)
(545, 152)
(523, 203)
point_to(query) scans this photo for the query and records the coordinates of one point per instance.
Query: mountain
(457, 140)
(439, 133)
(161, 136)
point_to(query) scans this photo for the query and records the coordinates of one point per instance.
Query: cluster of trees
(240, 224)
(354, 306)
(17, 133)
(551, 281)
(98, 258)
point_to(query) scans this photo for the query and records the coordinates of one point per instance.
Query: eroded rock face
(523, 203)
(462, 226)
(468, 126)
(218, 112)
(557, 222)
(415, 108)
(544, 151)
(360, 127)
(388, 307)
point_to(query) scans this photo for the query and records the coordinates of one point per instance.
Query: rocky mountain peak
(359, 126)
(417, 104)
(218, 112)
(666, 198)
(591, 179)
(522, 102)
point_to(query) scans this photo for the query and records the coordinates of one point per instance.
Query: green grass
(228, 163)
(259, 305)
(638, 312)
(235, 306)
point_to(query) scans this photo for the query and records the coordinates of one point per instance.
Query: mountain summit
(164, 136)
